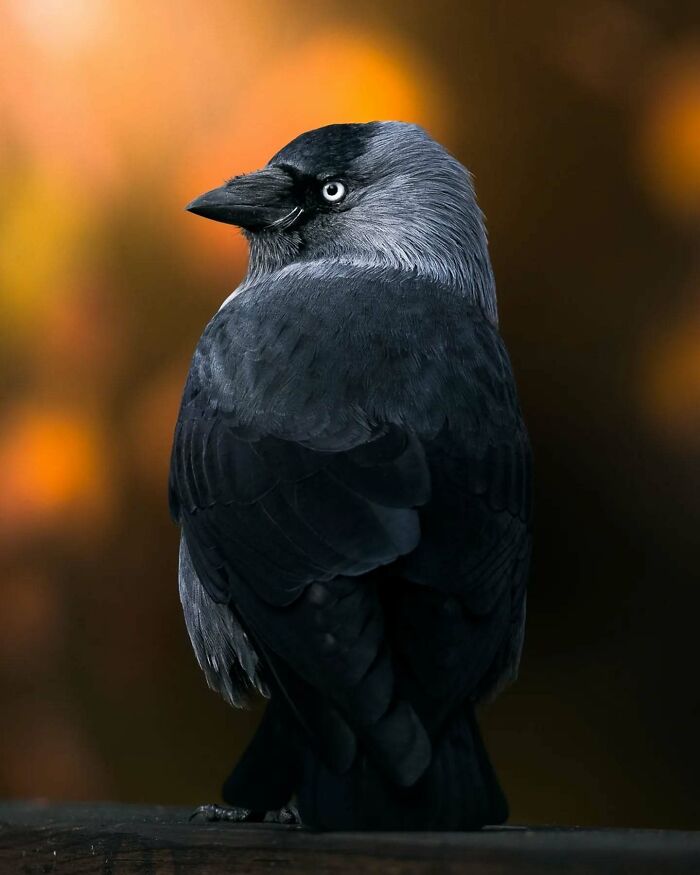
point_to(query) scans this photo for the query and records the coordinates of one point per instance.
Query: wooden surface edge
(114, 839)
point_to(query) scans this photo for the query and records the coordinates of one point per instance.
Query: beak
(259, 200)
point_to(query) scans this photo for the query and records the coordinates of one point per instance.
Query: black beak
(264, 199)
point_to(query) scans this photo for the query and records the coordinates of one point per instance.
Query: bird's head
(382, 194)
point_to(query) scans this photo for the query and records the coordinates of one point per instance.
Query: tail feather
(458, 791)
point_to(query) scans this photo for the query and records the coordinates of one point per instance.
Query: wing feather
(328, 483)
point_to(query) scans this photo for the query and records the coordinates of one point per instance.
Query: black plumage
(351, 474)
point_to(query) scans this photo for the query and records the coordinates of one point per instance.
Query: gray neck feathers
(417, 213)
(271, 250)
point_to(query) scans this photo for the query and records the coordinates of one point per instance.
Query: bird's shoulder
(302, 351)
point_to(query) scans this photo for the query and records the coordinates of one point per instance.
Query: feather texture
(352, 477)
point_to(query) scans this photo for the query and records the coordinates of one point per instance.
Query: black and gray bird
(351, 475)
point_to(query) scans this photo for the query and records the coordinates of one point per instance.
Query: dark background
(581, 122)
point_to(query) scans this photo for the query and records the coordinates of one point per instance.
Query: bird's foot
(287, 815)
(213, 813)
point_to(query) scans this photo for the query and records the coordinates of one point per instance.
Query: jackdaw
(351, 475)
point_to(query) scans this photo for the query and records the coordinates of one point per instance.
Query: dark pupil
(332, 190)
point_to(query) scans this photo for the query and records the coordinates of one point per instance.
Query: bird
(352, 478)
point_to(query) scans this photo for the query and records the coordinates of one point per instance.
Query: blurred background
(581, 123)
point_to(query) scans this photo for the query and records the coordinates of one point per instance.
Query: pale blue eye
(333, 192)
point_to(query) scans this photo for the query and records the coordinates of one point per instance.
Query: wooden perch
(125, 839)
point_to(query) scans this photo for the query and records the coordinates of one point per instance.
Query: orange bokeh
(368, 78)
(110, 104)
(54, 468)
(671, 134)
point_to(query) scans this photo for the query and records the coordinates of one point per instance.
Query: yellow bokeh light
(44, 228)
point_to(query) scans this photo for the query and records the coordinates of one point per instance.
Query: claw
(289, 816)
(213, 813)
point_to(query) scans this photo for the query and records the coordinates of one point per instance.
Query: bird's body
(352, 478)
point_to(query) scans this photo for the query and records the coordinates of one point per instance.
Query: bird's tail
(459, 790)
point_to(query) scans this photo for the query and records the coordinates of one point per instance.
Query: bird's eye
(333, 192)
